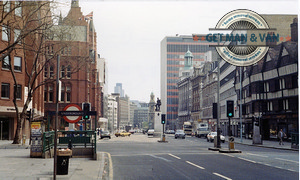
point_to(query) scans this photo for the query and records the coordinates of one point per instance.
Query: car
(104, 134)
(172, 132)
(179, 134)
(123, 134)
(150, 132)
(211, 136)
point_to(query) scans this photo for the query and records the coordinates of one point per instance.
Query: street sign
(71, 116)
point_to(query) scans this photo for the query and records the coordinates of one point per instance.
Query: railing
(48, 141)
(70, 138)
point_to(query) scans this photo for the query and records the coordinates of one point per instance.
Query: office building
(173, 49)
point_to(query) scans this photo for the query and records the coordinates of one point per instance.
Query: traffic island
(214, 149)
(163, 139)
(230, 147)
(229, 151)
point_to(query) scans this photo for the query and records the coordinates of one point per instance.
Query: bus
(187, 128)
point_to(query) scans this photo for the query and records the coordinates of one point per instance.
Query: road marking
(174, 156)
(217, 174)
(247, 160)
(195, 165)
(159, 158)
(257, 155)
(227, 155)
(286, 160)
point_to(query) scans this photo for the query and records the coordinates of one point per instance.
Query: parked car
(104, 134)
(150, 132)
(179, 134)
(212, 135)
(123, 134)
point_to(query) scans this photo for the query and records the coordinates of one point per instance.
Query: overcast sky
(129, 33)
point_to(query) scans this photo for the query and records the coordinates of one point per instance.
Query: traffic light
(28, 115)
(86, 108)
(230, 108)
(163, 119)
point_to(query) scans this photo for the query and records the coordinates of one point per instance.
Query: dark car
(179, 134)
(104, 134)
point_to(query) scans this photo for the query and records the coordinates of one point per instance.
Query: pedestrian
(281, 135)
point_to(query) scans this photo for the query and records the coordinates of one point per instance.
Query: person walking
(281, 134)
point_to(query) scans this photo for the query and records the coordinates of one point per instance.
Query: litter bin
(231, 143)
(62, 165)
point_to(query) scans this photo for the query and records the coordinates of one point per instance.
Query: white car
(150, 132)
(211, 136)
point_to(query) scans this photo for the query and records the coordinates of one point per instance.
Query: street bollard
(231, 143)
(23, 139)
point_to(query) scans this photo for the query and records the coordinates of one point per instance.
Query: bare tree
(34, 26)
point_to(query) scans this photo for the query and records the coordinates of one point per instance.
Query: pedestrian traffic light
(163, 119)
(28, 115)
(230, 108)
(86, 108)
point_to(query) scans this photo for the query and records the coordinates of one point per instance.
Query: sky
(129, 33)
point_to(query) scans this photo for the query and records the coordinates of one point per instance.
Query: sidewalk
(17, 164)
(265, 144)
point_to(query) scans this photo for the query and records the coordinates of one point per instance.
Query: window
(68, 93)
(266, 87)
(18, 8)
(50, 91)
(62, 93)
(17, 64)
(19, 91)
(282, 84)
(6, 5)
(5, 63)
(62, 72)
(46, 72)
(5, 33)
(270, 106)
(5, 90)
(69, 71)
(17, 34)
(286, 104)
(51, 71)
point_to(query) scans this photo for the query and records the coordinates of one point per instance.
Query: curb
(257, 145)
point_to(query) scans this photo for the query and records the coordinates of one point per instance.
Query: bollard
(231, 143)
(23, 139)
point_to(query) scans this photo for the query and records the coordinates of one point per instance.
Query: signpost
(74, 115)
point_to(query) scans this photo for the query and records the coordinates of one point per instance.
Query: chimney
(294, 30)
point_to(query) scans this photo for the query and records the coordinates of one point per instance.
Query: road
(141, 157)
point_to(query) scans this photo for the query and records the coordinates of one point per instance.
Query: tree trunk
(18, 137)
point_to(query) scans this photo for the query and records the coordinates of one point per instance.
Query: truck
(187, 128)
(202, 130)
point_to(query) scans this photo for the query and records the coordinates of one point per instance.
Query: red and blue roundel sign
(72, 107)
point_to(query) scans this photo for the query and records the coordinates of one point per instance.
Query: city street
(142, 157)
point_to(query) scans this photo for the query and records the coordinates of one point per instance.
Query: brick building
(74, 39)
(17, 63)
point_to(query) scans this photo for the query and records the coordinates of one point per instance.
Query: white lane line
(257, 155)
(217, 174)
(287, 160)
(246, 160)
(195, 165)
(227, 155)
(159, 158)
(174, 156)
